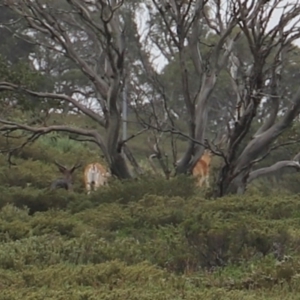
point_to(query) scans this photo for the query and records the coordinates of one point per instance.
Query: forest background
(147, 237)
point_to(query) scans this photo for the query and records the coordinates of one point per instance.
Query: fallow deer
(67, 181)
(95, 175)
(202, 167)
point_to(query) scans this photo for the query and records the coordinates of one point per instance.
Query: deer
(95, 175)
(202, 168)
(65, 182)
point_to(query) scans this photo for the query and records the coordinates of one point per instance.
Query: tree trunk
(119, 167)
(229, 183)
(234, 176)
(115, 157)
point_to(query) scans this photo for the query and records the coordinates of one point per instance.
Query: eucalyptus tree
(256, 81)
(103, 42)
(59, 27)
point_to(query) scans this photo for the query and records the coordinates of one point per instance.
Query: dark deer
(66, 182)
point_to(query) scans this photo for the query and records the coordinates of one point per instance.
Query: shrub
(156, 211)
(10, 213)
(56, 222)
(147, 243)
(134, 190)
(36, 200)
(28, 173)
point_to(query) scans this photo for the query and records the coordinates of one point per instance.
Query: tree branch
(9, 126)
(7, 86)
(275, 167)
(261, 142)
(122, 143)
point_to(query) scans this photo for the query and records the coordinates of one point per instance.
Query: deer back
(200, 169)
(202, 166)
(96, 174)
(61, 183)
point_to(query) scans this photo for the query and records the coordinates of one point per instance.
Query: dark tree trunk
(119, 167)
(230, 184)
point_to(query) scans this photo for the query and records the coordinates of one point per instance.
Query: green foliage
(28, 174)
(18, 73)
(141, 239)
(21, 74)
(36, 200)
(134, 190)
(62, 144)
(152, 245)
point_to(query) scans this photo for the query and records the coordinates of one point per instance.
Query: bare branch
(7, 86)
(123, 142)
(276, 167)
(158, 153)
(150, 159)
(9, 126)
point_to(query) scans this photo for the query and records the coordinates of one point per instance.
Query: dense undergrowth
(142, 239)
(148, 240)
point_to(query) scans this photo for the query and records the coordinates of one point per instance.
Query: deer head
(66, 182)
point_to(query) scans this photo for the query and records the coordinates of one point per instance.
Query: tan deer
(95, 175)
(65, 182)
(202, 168)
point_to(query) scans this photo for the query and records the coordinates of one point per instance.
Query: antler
(63, 168)
(59, 165)
(77, 165)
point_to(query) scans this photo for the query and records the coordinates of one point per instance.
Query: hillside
(142, 239)
(151, 244)
(205, 73)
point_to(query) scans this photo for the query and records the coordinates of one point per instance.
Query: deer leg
(97, 185)
(207, 181)
(88, 188)
(201, 181)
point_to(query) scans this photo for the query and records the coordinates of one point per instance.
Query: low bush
(147, 239)
(134, 190)
(36, 200)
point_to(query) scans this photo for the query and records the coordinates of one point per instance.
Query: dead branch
(7, 86)
(9, 126)
(161, 156)
(132, 160)
(274, 168)
(152, 164)
(123, 142)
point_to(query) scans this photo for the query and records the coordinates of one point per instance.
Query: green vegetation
(146, 238)
(161, 247)
(141, 239)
